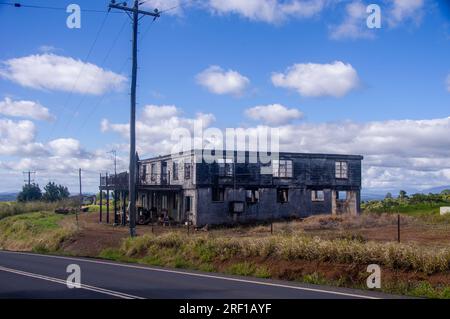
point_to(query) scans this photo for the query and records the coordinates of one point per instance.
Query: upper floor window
(282, 168)
(187, 171)
(317, 196)
(225, 167)
(175, 169)
(341, 170)
(153, 172)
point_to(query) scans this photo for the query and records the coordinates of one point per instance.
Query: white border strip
(201, 275)
(63, 282)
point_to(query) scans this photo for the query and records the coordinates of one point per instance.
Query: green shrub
(242, 269)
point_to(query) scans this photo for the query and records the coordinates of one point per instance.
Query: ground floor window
(164, 202)
(188, 203)
(341, 195)
(282, 195)
(252, 196)
(218, 194)
(317, 196)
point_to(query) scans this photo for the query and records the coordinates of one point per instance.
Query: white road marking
(63, 282)
(353, 295)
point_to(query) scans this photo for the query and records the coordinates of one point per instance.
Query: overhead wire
(102, 65)
(82, 69)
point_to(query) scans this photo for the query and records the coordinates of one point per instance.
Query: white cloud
(315, 80)
(219, 81)
(173, 7)
(18, 138)
(271, 11)
(154, 128)
(59, 73)
(65, 147)
(402, 10)
(26, 109)
(47, 48)
(354, 25)
(274, 114)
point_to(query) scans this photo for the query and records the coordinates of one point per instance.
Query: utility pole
(28, 179)
(132, 178)
(81, 197)
(114, 154)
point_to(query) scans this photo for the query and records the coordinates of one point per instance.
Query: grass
(249, 256)
(16, 208)
(38, 232)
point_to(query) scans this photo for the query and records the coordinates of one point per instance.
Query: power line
(95, 106)
(30, 6)
(81, 71)
(102, 65)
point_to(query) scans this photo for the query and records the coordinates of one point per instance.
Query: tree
(388, 196)
(402, 195)
(29, 193)
(55, 192)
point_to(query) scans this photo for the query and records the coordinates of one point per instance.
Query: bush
(16, 208)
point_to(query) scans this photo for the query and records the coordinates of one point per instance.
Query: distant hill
(366, 196)
(8, 197)
(435, 190)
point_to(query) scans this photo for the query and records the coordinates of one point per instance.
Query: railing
(155, 179)
(120, 179)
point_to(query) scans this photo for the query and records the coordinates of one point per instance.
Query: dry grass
(292, 247)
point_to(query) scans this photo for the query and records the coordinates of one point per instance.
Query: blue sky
(399, 99)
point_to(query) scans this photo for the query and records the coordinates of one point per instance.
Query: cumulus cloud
(58, 160)
(18, 138)
(271, 11)
(274, 114)
(402, 10)
(53, 72)
(354, 25)
(314, 80)
(218, 81)
(65, 147)
(26, 109)
(154, 128)
(173, 7)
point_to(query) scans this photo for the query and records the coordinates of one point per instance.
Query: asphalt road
(25, 275)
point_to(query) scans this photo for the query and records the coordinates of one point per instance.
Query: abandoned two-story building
(184, 187)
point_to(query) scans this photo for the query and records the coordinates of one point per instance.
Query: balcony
(154, 179)
(115, 181)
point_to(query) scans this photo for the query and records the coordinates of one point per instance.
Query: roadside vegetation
(420, 205)
(340, 262)
(16, 208)
(42, 232)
